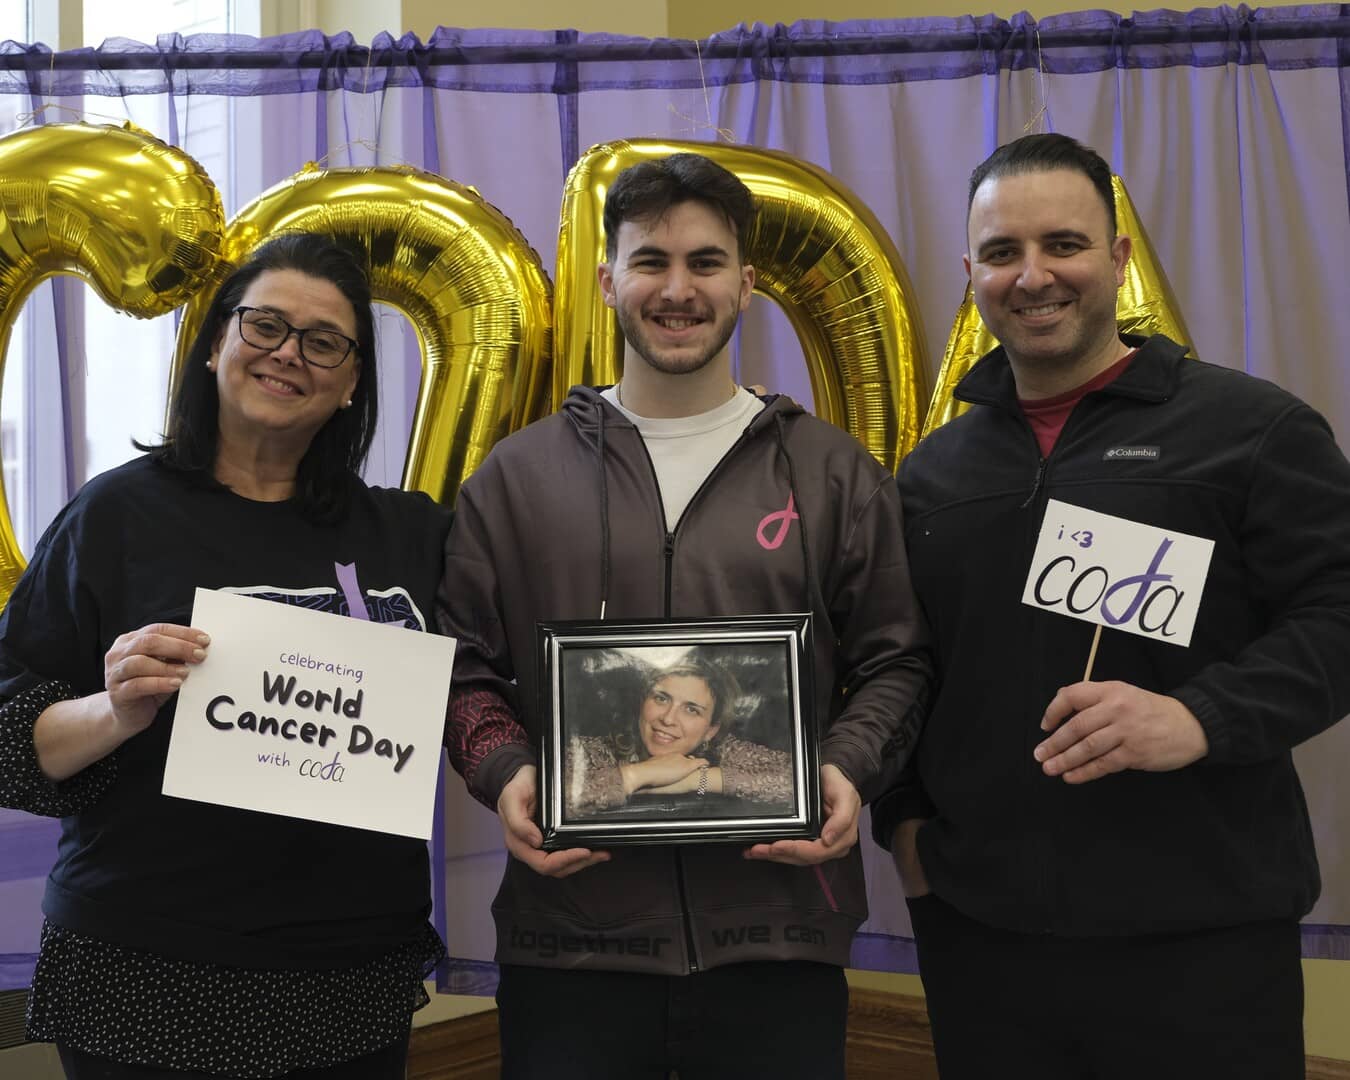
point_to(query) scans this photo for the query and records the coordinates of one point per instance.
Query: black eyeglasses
(265, 330)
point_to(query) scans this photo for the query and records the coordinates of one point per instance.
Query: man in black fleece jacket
(1106, 874)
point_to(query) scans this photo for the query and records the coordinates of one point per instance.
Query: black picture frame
(613, 692)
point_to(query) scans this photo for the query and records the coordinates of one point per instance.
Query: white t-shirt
(686, 449)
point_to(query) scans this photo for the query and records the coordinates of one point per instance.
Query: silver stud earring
(348, 404)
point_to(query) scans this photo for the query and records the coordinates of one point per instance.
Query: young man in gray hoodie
(678, 494)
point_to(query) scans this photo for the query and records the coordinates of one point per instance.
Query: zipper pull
(670, 545)
(1035, 485)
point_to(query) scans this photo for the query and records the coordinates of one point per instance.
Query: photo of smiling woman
(681, 741)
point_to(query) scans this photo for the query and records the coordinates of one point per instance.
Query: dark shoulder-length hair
(331, 465)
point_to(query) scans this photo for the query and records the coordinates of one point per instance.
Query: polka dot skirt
(143, 1009)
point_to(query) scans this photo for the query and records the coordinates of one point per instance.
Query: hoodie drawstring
(780, 426)
(604, 507)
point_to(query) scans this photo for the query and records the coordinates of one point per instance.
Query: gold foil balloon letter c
(817, 251)
(137, 219)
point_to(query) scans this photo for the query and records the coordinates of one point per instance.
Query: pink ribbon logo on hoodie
(783, 519)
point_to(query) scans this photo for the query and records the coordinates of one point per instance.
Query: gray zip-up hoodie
(797, 516)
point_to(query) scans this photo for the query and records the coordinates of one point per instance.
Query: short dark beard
(635, 335)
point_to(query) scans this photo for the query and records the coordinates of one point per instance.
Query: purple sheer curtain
(1231, 127)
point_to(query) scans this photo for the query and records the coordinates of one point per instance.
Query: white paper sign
(311, 715)
(1118, 573)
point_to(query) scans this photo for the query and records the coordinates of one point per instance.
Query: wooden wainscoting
(888, 1039)
(461, 1049)
(1328, 1069)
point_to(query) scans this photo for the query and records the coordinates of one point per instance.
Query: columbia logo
(1131, 453)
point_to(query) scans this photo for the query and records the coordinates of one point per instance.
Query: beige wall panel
(641, 18)
(699, 18)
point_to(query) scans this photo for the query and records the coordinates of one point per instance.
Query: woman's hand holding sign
(144, 668)
(1117, 726)
(141, 671)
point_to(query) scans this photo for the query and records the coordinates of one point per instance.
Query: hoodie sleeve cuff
(497, 769)
(902, 803)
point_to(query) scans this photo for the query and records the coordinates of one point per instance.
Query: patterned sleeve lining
(479, 722)
(22, 783)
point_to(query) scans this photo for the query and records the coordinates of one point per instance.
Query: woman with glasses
(184, 939)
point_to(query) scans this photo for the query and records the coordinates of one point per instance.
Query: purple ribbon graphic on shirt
(351, 589)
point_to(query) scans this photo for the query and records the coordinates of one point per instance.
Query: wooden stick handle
(1092, 653)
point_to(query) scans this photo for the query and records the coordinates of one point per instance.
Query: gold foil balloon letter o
(465, 277)
(817, 251)
(136, 218)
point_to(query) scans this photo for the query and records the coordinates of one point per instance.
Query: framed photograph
(678, 732)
